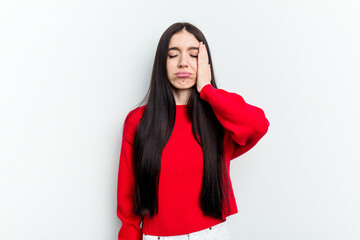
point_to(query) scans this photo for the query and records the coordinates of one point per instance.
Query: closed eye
(176, 55)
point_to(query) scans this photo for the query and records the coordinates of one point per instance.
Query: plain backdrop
(70, 71)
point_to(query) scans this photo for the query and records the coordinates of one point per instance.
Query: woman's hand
(203, 68)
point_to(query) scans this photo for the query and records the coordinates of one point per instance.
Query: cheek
(194, 63)
(170, 66)
(194, 66)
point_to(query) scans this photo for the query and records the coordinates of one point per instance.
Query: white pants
(217, 232)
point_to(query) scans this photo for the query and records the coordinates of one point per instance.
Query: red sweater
(180, 177)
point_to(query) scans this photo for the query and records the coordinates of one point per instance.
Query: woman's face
(181, 64)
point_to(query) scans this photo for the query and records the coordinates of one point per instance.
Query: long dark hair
(155, 128)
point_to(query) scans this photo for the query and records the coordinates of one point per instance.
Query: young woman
(176, 149)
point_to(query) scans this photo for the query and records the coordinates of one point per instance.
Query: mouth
(183, 74)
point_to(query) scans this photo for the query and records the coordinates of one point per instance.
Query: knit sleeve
(130, 229)
(244, 124)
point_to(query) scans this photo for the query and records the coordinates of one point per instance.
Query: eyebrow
(176, 48)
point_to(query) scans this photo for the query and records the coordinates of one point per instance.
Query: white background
(70, 71)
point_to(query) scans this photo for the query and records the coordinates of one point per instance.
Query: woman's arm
(130, 229)
(246, 124)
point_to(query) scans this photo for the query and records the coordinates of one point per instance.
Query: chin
(185, 86)
(179, 85)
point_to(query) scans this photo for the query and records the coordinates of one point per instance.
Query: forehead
(183, 39)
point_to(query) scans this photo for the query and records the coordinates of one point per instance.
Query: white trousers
(217, 232)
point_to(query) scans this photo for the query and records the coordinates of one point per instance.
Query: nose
(183, 61)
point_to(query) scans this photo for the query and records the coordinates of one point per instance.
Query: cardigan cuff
(206, 91)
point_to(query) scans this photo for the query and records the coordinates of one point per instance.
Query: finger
(204, 52)
(200, 49)
(201, 53)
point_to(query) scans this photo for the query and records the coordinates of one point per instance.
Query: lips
(183, 74)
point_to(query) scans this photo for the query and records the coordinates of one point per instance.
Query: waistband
(193, 234)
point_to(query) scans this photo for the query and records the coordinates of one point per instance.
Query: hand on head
(203, 69)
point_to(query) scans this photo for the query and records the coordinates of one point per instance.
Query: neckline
(181, 109)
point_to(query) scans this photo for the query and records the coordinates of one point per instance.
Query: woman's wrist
(203, 87)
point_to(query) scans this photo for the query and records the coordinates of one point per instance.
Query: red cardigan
(180, 177)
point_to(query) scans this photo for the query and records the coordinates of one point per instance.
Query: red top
(181, 170)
